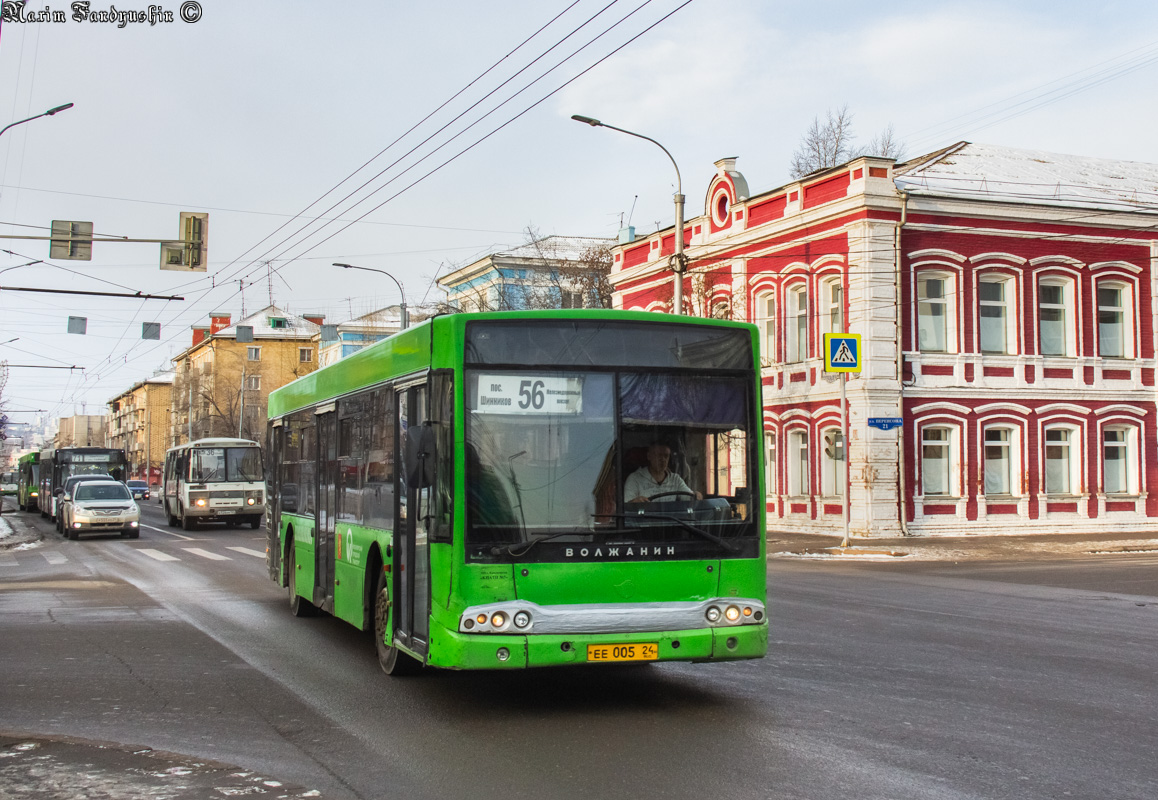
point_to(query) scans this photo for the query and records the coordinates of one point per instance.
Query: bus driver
(655, 479)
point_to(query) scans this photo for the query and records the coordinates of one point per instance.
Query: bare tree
(825, 144)
(829, 143)
(885, 144)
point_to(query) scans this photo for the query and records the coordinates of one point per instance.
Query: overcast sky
(257, 109)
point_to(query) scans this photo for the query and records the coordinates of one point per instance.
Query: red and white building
(1005, 301)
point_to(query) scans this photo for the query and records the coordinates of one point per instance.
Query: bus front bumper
(455, 650)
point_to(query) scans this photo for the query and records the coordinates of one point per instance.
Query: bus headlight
(522, 619)
(713, 614)
(498, 620)
(249, 501)
(732, 613)
(201, 502)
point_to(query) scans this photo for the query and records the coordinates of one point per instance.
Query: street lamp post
(405, 317)
(47, 113)
(678, 261)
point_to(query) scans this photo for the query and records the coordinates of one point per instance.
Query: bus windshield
(225, 464)
(552, 455)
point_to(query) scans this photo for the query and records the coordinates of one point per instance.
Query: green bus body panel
(615, 582)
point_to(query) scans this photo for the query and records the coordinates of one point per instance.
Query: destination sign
(529, 394)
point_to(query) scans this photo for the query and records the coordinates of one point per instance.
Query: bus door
(326, 508)
(412, 577)
(274, 454)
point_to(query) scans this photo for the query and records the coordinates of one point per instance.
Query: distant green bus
(28, 480)
(459, 489)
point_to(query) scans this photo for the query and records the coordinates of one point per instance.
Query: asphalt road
(890, 680)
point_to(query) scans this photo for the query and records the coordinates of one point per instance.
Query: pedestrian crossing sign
(842, 352)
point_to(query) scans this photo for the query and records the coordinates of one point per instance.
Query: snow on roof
(295, 327)
(1031, 176)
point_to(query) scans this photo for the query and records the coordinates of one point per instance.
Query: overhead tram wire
(443, 105)
(497, 129)
(302, 231)
(444, 127)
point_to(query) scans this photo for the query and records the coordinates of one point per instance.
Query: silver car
(100, 506)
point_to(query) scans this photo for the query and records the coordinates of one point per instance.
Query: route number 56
(531, 395)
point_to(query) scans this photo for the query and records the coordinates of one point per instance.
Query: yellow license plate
(640, 651)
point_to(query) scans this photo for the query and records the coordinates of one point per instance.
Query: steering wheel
(678, 493)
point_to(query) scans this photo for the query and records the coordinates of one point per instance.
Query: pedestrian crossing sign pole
(842, 355)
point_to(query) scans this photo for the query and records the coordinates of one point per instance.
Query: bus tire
(392, 661)
(188, 523)
(171, 517)
(299, 606)
(255, 523)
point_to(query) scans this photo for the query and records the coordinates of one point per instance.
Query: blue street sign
(885, 423)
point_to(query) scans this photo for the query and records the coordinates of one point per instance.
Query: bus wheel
(255, 523)
(172, 518)
(392, 661)
(188, 523)
(299, 606)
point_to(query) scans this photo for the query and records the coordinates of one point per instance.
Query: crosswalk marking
(197, 551)
(157, 554)
(55, 558)
(247, 551)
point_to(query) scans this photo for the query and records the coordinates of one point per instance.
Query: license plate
(640, 651)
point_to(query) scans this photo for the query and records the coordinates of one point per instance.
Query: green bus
(28, 481)
(459, 490)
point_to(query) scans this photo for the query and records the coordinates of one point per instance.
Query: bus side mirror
(419, 457)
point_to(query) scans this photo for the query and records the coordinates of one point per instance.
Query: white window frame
(796, 323)
(1012, 445)
(1073, 448)
(1128, 446)
(1069, 309)
(253, 353)
(1009, 305)
(766, 322)
(833, 462)
(1126, 309)
(832, 305)
(253, 383)
(946, 302)
(770, 487)
(952, 460)
(797, 462)
(305, 355)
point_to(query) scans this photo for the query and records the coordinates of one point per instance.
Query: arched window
(1115, 320)
(832, 305)
(797, 462)
(1062, 457)
(936, 320)
(766, 322)
(1120, 459)
(938, 461)
(1056, 317)
(1002, 470)
(995, 297)
(796, 312)
(833, 463)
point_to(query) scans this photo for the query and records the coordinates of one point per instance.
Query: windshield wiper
(711, 537)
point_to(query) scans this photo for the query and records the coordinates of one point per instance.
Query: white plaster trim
(1010, 257)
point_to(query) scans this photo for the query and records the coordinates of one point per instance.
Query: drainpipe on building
(901, 487)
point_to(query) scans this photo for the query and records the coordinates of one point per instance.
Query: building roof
(983, 171)
(296, 327)
(545, 250)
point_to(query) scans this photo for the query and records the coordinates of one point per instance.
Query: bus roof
(419, 348)
(215, 442)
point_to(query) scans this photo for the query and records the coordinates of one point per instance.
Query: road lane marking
(197, 551)
(171, 533)
(157, 554)
(247, 551)
(8, 561)
(55, 558)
